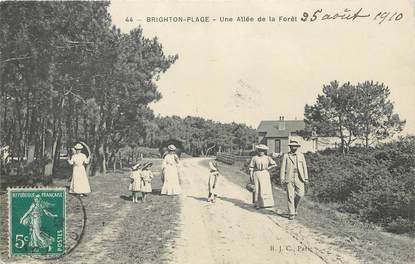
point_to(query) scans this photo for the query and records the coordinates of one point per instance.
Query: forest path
(232, 231)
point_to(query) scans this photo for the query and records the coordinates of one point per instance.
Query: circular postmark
(75, 226)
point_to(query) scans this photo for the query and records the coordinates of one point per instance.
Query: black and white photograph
(207, 131)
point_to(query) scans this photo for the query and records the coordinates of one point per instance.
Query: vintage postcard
(207, 131)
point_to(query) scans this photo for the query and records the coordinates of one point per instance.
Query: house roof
(280, 128)
(278, 133)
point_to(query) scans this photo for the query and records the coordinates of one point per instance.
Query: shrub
(378, 184)
(401, 226)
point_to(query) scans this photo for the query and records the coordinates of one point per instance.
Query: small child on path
(135, 184)
(146, 177)
(213, 181)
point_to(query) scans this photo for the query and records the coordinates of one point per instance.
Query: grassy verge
(369, 242)
(149, 228)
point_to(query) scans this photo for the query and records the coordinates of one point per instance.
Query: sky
(252, 71)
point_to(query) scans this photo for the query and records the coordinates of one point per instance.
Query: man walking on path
(294, 174)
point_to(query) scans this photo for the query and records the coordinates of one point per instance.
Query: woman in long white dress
(79, 182)
(171, 184)
(259, 175)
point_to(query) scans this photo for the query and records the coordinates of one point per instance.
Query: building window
(278, 146)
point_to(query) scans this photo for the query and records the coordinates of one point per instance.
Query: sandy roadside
(231, 231)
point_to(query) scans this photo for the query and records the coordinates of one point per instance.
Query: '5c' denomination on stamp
(36, 221)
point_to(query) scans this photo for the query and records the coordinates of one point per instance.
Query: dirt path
(231, 231)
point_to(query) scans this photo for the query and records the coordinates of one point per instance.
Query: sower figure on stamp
(294, 174)
(259, 175)
(33, 218)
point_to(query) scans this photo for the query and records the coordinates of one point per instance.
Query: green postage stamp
(36, 221)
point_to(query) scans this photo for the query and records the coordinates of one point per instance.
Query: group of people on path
(293, 174)
(141, 176)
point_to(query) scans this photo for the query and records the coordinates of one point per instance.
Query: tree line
(353, 113)
(200, 137)
(67, 74)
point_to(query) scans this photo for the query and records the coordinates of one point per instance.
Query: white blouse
(261, 162)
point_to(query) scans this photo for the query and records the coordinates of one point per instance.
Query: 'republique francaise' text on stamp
(36, 221)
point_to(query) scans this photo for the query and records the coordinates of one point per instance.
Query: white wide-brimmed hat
(294, 143)
(261, 147)
(171, 147)
(146, 165)
(78, 146)
(136, 166)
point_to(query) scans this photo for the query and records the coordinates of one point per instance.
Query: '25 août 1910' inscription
(351, 15)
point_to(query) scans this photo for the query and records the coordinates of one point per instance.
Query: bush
(378, 184)
(401, 226)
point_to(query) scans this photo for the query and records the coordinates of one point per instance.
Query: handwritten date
(348, 14)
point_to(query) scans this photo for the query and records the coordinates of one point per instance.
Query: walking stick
(251, 181)
(253, 195)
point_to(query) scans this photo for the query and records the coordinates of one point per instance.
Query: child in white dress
(146, 177)
(135, 185)
(213, 181)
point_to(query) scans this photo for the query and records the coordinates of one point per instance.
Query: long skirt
(263, 189)
(171, 185)
(79, 183)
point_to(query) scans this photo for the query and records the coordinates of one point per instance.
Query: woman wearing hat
(79, 182)
(259, 175)
(171, 185)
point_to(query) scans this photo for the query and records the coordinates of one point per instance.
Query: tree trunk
(68, 125)
(114, 165)
(120, 159)
(56, 153)
(342, 144)
(48, 154)
(367, 137)
(101, 162)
